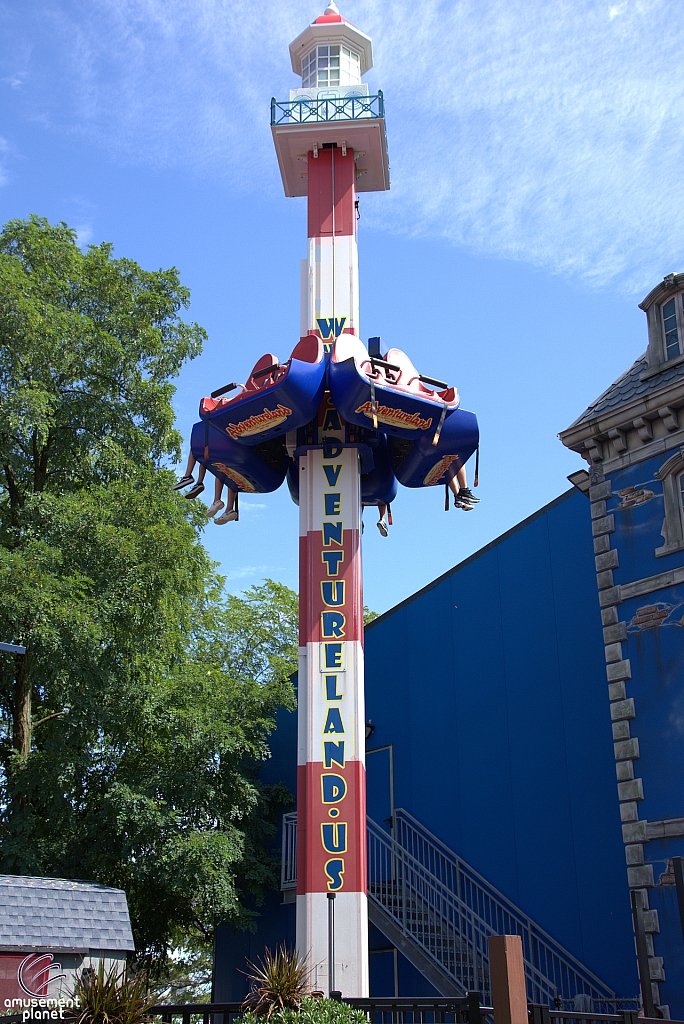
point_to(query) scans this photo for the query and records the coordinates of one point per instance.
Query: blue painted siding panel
(638, 529)
(657, 686)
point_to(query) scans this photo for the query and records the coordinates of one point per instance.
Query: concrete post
(507, 971)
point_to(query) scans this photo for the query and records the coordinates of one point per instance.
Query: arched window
(672, 475)
(330, 66)
(672, 313)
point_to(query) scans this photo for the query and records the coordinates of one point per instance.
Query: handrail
(336, 108)
(403, 815)
(448, 910)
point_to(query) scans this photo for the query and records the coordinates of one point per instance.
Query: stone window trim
(670, 474)
(672, 325)
(672, 286)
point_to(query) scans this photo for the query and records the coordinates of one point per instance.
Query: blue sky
(536, 160)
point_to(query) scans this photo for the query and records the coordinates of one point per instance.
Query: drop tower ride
(344, 424)
(330, 141)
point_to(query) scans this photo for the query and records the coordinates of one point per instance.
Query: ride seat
(308, 349)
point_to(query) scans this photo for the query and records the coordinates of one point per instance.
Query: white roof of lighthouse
(331, 28)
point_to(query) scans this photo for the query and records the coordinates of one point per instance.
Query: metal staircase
(438, 911)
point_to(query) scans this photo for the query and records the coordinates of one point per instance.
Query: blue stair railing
(446, 910)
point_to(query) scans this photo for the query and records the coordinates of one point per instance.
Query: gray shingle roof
(56, 913)
(630, 386)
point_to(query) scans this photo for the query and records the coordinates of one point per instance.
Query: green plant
(314, 1011)
(279, 982)
(111, 997)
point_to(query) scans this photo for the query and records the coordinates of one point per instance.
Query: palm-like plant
(279, 982)
(111, 997)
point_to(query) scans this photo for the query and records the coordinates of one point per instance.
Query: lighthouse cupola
(331, 53)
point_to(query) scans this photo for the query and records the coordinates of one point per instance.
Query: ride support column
(330, 275)
(331, 780)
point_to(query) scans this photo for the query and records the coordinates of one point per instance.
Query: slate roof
(630, 386)
(55, 913)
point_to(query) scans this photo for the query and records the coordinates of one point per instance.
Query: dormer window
(673, 323)
(330, 66)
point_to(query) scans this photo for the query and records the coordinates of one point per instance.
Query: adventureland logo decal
(438, 470)
(396, 417)
(237, 478)
(259, 422)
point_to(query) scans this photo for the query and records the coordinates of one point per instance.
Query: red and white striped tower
(330, 141)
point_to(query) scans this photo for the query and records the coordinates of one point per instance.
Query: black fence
(400, 1010)
(545, 1015)
(403, 1010)
(191, 1013)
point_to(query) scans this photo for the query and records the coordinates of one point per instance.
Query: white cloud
(84, 232)
(15, 81)
(535, 131)
(247, 572)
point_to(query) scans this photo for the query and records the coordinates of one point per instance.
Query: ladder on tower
(438, 912)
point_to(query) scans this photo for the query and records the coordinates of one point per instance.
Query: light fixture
(370, 729)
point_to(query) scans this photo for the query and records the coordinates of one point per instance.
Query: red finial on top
(330, 15)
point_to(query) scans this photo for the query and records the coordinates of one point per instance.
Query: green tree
(88, 345)
(131, 731)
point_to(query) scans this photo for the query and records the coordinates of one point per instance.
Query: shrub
(279, 982)
(111, 997)
(314, 1011)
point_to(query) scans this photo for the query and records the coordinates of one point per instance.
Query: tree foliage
(131, 730)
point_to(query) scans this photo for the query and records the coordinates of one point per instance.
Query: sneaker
(460, 503)
(194, 491)
(465, 494)
(382, 527)
(213, 509)
(227, 517)
(183, 482)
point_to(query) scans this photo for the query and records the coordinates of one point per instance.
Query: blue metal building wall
(490, 687)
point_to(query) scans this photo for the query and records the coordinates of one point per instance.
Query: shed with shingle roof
(43, 918)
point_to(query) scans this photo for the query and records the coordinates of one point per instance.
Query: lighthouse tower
(330, 141)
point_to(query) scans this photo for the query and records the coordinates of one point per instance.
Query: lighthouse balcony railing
(315, 111)
(437, 901)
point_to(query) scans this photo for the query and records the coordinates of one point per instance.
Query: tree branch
(16, 497)
(55, 714)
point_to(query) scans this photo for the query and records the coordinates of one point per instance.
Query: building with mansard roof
(632, 436)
